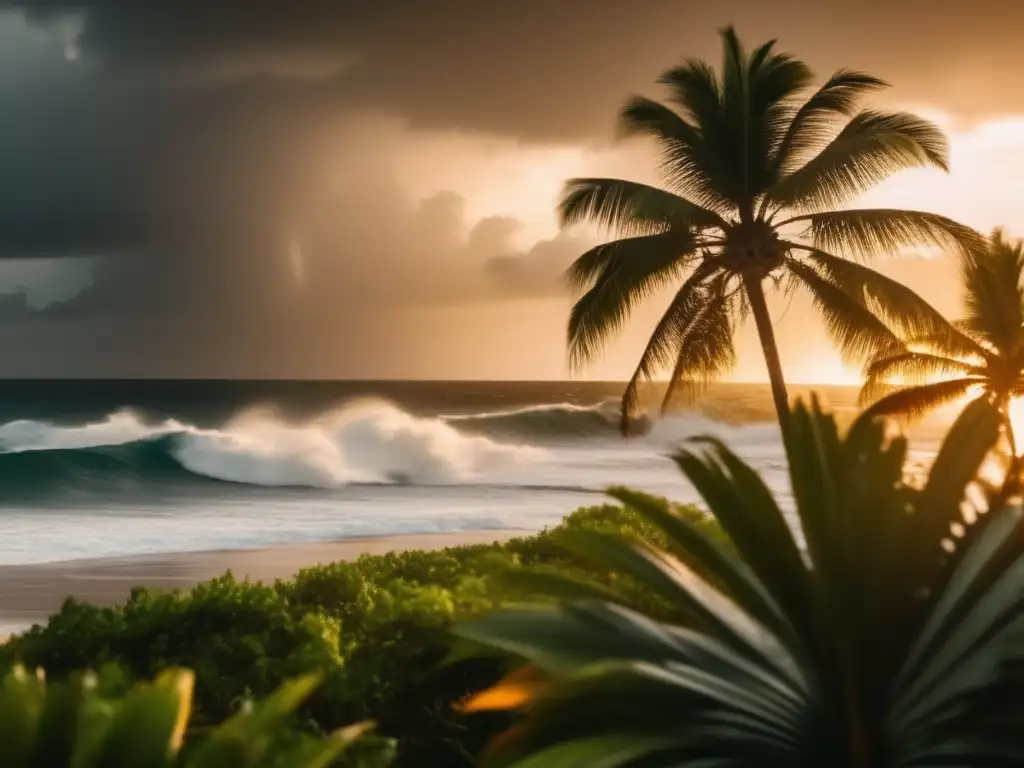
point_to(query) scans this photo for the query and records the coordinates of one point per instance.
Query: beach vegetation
(87, 722)
(883, 626)
(376, 630)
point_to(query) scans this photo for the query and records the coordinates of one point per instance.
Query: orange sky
(983, 190)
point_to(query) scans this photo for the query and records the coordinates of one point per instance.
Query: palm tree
(752, 174)
(984, 351)
(866, 640)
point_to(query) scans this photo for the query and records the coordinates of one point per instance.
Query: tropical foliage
(755, 171)
(376, 630)
(882, 627)
(74, 725)
(983, 352)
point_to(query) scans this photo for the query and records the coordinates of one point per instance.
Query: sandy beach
(30, 593)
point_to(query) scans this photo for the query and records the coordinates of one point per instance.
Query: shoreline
(29, 594)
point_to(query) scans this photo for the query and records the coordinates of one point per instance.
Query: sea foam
(362, 442)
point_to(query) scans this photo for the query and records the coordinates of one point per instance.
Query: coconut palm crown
(983, 352)
(754, 174)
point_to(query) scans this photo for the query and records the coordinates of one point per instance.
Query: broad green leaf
(678, 583)
(709, 559)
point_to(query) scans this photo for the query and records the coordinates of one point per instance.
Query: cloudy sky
(353, 189)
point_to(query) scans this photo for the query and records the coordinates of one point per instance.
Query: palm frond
(566, 723)
(920, 367)
(901, 308)
(965, 447)
(872, 147)
(670, 336)
(994, 297)
(869, 232)
(713, 561)
(839, 516)
(857, 332)
(741, 503)
(913, 369)
(813, 124)
(734, 75)
(756, 93)
(688, 160)
(675, 581)
(644, 249)
(693, 86)
(624, 273)
(696, 90)
(814, 447)
(845, 655)
(631, 208)
(707, 350)
(976, 615)
(773, 80)
(738, 119)
(913, 402)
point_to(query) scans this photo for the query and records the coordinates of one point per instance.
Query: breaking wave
(366, 442)
(363, 442)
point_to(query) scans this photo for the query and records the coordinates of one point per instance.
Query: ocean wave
(555, 420)
(364, 442)
(675, 428)
(568, 421)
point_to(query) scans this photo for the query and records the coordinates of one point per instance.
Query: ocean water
(113, 468)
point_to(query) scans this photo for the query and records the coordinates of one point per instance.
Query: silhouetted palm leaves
(983, 352)
(751, 171)
(868, 640)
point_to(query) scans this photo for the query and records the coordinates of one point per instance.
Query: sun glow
(1017, 418)
(948, 413)
(831, 372)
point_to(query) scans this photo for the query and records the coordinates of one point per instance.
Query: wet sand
(31, 593)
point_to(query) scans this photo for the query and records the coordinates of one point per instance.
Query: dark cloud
(146, 144)
(537, 272)
(542, 68)
(195, 195)
(368, 255)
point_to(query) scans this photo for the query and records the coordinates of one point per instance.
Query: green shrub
(78, 724)
(376, 629)
(241, 639)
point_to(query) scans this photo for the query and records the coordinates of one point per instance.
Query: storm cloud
(540, 68)
(231, 164)
(212, 203)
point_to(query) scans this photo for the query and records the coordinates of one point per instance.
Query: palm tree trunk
(759, 307)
